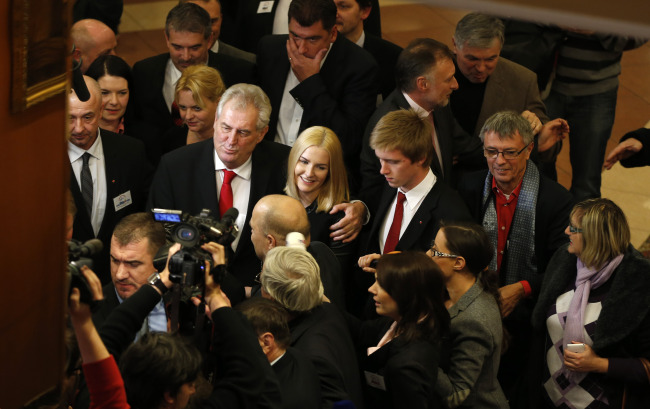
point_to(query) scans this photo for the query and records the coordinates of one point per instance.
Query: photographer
(160, 369)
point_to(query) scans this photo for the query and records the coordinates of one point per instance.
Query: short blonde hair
(405, 131)
(292, 277)
(335, 189)
(605, 232)
(203, 82)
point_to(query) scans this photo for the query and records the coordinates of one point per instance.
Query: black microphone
(230, 217)
(87, 249)
(78, 83)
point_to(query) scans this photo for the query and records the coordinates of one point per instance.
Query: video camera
(79, 256)
(187, 266)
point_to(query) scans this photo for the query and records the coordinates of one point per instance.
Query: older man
(525, 215)
(110, 174)
(91, 39)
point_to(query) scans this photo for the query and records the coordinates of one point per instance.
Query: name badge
(122, 201)
(265, 7)
(375, 380)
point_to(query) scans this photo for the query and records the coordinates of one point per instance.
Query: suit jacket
(185, 180)
(323, 336)
(151, 115)
(127, 170)
(228, 49)
(452, 138)
(470, 379)
(408, 370)
(551, 216)
(299, 383)
(341, 97)
(385, 53)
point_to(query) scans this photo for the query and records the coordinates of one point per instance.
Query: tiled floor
(402, 20)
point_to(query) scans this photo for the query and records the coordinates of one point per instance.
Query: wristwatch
(157, 282)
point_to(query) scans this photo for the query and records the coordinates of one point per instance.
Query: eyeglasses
(257, 278)
(574, 229)
(508, 155)
(437, 253)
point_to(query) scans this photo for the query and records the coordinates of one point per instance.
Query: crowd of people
(399, 243)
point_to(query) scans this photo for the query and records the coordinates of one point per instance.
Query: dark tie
(87, 184)
(176, 115)
(225, 197)
(396, 226)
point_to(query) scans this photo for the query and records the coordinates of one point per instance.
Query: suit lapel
(444, 133)
(494, 94)
(421, 220)
(207, 191)
(384, 207)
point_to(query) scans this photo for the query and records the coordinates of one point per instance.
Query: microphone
(296, 240)
(78, 83)
(88, 249)
(230, 217)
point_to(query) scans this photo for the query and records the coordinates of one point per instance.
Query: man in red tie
(413, 199)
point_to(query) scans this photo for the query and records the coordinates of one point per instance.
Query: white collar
(244, 171)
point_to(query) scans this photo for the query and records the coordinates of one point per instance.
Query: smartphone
(575, 347)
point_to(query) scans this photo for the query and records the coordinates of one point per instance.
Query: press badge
(122, 201)
(375, 380)
(265, 7)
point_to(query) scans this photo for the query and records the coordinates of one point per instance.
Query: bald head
(85, 115)
(91, 39)
(275, 216)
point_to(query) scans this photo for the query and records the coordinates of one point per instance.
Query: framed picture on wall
(39, 30)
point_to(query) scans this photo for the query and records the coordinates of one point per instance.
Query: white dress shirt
(241, 190)
(414, 199)
(97, 166)
(172, 75)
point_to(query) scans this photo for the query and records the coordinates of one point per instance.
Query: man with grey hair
(188, 34)
(234, 169)
(488, 84)
(291, 276)
(525, 215)
(91, 39)
(109, 174)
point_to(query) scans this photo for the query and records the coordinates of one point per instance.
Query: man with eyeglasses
(525, 215)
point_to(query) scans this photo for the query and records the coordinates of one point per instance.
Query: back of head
(159, 362)
(507, 124)
(281, 216)
(605, 231)
(309, 12)
(111, 65)
(478, 30)
(203, 82)
(419, 58)
(268, 316)
(189, 17)
(335, 189)
(138, 226)
(405, 131)
(415, 282)
(245, 95)
(291, 276)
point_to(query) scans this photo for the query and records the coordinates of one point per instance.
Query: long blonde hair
(335, 188)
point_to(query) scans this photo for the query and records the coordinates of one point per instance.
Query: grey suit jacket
(227, 49)
(511, 87)
(470, 381)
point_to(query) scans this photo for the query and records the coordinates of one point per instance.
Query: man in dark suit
(188, 33)
(248, 166)
(525, 215)
(350, 20)
(413, 200)
(110, 174)
(315, 77)
(425, 81)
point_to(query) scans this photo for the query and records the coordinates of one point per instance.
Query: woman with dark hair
(463, 252)
(594, 309)
(114, 77)
(400, 353)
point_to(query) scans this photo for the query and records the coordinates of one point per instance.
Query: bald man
(91, 39)
(109, 178)
(275, 216)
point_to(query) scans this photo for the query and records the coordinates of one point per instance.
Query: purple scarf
(586, 279)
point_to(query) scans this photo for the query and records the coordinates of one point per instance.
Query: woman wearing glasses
(469, 380)
(594, 309)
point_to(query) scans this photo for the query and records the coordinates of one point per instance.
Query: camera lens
(186, 234)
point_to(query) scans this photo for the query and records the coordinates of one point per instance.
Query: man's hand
(213, 295)
(94, 284)
(587, 361)
(534, 121)
(348, 228)
(364, 262)
(622, 151)
(510, 296)
(552, 132)
(218, 252)
(303, 67)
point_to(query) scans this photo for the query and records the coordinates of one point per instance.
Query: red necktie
(396, 226)
(225, 197)
(176, 115)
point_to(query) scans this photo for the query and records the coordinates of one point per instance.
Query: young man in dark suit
(110, 174)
